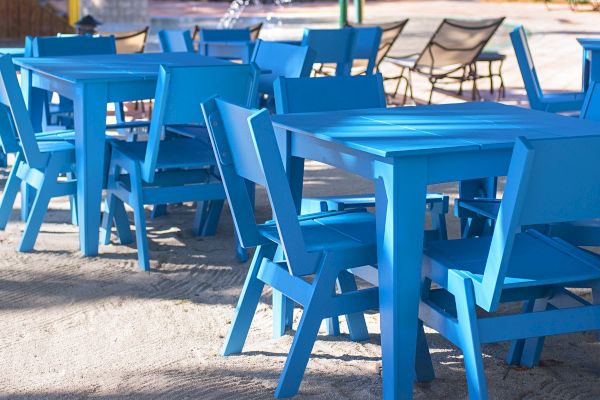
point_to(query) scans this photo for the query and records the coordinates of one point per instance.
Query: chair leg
(10, 193)
(596, 301)
(73, 202)
(356, 322)
(122, 222)
(207, 217)
(27, 197)
(470, 344)
(158, 210)
(423, 364)
(246, 307)
(438, 221)
(38, 209)
(532, 348)
(516, 347)
(433, 82)
(139, 217)
(306, 334)
(283, 314)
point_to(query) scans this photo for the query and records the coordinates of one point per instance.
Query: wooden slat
(27, 17)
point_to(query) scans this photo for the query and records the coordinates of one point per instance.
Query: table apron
(441, 167)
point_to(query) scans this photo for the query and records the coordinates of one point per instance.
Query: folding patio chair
(173, 41)
(538, 100)
(175, 169)
(390, 32)
(549, 181)
(331, 46)
(290, 249)
(39, 163)
(449, 56)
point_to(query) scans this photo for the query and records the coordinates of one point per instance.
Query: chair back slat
(331, 46)
(366, 45)
(12, 99)
(281, 59)
(246, 148)
(457, 43)
(8, 133)
(179, 92)
(175, 41)
(591, 105)
(549, 180)
(329, 93)
(527, 68)
(58, 46)
(225, 35)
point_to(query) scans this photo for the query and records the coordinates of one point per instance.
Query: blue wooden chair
(176, 169)
(365, 49)
(480, 213)
(172, 41)
(331, 46)
(38, 164)
(538, 100)
(548, 181)
(229, 44)
(281, 60)
(290, 249)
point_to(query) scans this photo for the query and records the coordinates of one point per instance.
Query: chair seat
(331, 231)
(488, 208)
(174, 153)
(407, 61)
(537, 260)
(48, 146)
(67, 134)
(190, 131)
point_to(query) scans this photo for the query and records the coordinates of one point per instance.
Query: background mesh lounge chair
(538, 100)
(449, 55)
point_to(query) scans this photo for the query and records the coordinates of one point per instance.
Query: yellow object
(74, 11)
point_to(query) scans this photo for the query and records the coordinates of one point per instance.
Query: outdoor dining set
(228, 112)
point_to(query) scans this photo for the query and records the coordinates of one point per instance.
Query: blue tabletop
(112, 66)
(589, 43)
(406, 131)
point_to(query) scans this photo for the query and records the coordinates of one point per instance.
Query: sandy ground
(75, 327)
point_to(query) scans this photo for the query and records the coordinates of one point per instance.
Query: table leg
(90, 127)
(400, 190)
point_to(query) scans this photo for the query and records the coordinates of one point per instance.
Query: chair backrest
(11, 99)
(225, 35)
(246, 149)
(457, 43)
(549, 180)
(281, 60)
(132, 42)
(331, 46)
(58, 46)
(591, 105)
(172, 41)
(527, 67)
(298, 95)
(366, 45)
(179, 92)
(255, 31)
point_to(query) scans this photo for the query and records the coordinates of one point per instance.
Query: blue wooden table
(591, 60)
(92, 82)
(13, 51)
(403, 150)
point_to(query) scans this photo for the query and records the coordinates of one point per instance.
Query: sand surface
(74, 327)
